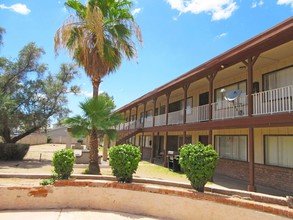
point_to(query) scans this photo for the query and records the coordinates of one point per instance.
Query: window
(279, 151)
(278, 79)
(160, 110)
(231, 147)
(220, 93)
(176, 106)
(179, 105)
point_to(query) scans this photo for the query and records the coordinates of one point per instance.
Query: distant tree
(2, 31)
(29, 96)
(98, 35)
(97, 116)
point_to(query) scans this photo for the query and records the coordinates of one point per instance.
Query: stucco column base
(251, 188)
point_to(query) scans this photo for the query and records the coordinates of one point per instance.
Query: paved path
(67, 214)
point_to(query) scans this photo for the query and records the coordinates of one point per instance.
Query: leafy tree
(98, 115)
(29, 96)
(98, 36)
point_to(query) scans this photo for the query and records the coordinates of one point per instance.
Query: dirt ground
(39, 161)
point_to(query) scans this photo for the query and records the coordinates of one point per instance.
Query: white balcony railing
(197, 114)
(266, 102)
(175, 117)
(132, 125)
(148, 122)
(225, 109)
(160, 120)
(273, 101)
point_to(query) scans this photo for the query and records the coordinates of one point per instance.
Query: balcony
(197, 114)
(225, 109)
(160, 120)
(148, 122)
(175, 117)
(267, 102)
(273, 101)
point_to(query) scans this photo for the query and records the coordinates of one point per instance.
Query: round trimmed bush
(198, 163)
(12, 151)
(124, 161)
(63, 161)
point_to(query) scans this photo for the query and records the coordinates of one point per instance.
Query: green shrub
(63, 161)
(11, 151)
(124, 161)
(198, 163)
(50, 181)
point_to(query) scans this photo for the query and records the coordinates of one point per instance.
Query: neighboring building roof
(273, 37)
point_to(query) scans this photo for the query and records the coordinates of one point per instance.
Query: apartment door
(204, 139)
(158, 145)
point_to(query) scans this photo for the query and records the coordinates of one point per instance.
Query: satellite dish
(232, 95)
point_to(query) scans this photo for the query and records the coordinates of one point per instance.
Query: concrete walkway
(67, 214)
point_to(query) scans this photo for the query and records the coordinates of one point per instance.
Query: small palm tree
(98, 36)
(98, 116)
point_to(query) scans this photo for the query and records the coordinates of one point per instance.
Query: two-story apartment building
(240, 102)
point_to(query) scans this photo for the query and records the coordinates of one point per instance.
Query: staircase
(123, 136)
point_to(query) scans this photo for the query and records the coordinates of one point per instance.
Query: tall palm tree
(97, 115)
(98, 36)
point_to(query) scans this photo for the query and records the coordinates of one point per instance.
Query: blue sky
(178, 35)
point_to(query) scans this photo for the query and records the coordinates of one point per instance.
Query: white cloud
(136, 11)
(257, 3)
(285, 2)
(86, 94)
(18, 8)
(221, 35)
(219, 9)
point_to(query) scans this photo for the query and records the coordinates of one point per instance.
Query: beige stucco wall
(149, 202)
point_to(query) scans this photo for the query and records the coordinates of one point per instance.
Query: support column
(251, 187)
(249, 64)
(185, 88)
(184, 137)
(143, 119)
(152, 149)
(158, 144)
(167, 106)
(136, 112)
(129, 119)
(211, 78)
(165, 149)
(210, 137)
(154, 109)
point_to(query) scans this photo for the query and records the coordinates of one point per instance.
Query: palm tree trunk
(94, 167)
(96, 84)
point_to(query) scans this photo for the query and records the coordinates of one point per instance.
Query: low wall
(34, 139)
(148, 200)
(271, 176)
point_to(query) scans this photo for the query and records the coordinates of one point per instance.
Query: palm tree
(98, 36)
(98, 115)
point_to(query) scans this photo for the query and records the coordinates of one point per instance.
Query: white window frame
(232, 149)
(279, 150)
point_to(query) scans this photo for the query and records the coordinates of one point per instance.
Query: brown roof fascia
(275, 36)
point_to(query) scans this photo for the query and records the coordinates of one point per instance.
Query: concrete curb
(253, 196)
